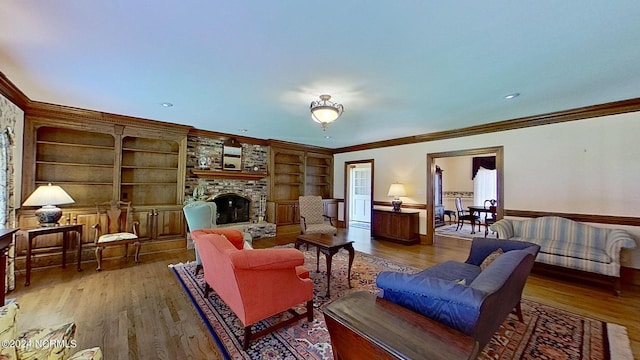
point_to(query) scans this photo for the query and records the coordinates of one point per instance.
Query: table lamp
(396, 190)
(48, 196)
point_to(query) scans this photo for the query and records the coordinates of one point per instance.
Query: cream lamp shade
(396, 190)
(48, 196)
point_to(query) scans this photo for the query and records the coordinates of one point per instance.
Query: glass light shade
(324, 111)
(324, 114)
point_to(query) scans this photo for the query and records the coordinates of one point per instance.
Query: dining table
(479, 210)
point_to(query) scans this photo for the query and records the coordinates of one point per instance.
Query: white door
(360, 207)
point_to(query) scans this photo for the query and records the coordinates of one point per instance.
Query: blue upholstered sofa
(480, 305)
(570, 244)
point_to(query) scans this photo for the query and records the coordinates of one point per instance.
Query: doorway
(359, 193)
(498, 151)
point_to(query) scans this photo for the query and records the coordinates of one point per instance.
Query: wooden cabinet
(437, 201)
(99, 157)
(284, 212)
(398, 226)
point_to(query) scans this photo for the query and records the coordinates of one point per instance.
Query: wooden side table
(6, 237)
(65, 230)
(329, 246)
(364, 326)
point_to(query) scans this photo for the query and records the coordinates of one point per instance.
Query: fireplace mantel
(221, 174)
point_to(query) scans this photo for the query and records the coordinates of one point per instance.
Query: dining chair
(490, 217)
(465, 215)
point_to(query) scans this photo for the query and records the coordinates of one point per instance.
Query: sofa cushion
(8, 329)
(572, 250)
(452, 271)
(59, 335)
(87, 354)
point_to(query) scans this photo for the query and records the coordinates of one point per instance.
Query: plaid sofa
(568, 243)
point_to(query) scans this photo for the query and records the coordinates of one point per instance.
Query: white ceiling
(400, 68)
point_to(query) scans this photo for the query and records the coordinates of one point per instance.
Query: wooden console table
(364, 326)
(399, 226)
(65, 230)
(6, 237)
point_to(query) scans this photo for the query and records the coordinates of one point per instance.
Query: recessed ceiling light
(166, 104)
(512, 96)
(243, 130)
(327, 136)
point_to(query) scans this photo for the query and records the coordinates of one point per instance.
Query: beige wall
(589, 166)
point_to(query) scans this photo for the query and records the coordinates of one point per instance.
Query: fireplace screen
(232, 208)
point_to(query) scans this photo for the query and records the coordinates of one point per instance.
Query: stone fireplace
(240, 202)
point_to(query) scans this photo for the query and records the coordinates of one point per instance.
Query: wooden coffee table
(328, 245)
(364, 326)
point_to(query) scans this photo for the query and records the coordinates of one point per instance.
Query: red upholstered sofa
(254, 283)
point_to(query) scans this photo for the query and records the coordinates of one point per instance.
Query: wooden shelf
(221, 174)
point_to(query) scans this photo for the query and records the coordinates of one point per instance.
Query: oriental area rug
(547, 333)
(463, 233)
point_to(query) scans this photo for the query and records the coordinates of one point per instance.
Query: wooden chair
(490, 217)
(115, 227)
(312, 219)
(464, 215)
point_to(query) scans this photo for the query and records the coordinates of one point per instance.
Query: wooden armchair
(312, 219)
(115, 227)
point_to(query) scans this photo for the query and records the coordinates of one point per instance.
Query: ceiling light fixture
(166, 104)
(512, 96)
(324, 111)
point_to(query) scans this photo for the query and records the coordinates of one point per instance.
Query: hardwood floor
(141, 312)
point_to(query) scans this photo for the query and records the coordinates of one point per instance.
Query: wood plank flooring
(139, 311)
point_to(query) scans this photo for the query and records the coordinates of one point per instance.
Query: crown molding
(612, 108)
(11, 92)
(37, 109)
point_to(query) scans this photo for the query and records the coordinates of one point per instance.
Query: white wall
(456, 177)
(589, 166)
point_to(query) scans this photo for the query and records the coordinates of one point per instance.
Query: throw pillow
(8, 332)
(490, 258)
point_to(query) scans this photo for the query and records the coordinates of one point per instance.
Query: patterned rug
(463, 233)
(547, 333)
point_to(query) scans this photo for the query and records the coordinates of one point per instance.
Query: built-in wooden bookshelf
(149, 171)
(319, 175)
(81, 162)
(296, 172)
(288, 174)
(98, 157)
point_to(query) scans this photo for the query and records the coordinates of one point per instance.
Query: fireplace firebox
(232, 208)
